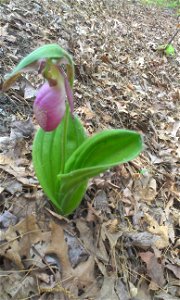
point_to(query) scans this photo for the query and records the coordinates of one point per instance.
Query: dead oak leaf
(9, 247)
(59, 247)
(17, 240)
(154, 268)
(160, 230)
(85, 273)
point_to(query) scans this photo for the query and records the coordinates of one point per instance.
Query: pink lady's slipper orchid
(49, 105)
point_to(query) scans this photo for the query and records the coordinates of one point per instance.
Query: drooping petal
(49, 106)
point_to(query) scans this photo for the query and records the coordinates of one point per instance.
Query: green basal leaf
(52, 51)
(70, 199)
(48, 157)
(97, 154)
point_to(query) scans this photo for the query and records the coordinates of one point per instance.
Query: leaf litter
(122, 242)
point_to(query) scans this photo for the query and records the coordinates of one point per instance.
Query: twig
(172, 38)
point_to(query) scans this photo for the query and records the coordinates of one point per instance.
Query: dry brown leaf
(85, 273)
(112, 236)
(7, 219)
(10, 247)
(18, 239)
(143, 292)
(108, 289)
(175, 269)
(29, 91)
(121, 290)
(59, 247)
(105, 58)
(143, 240)
(145, 189)
(15, 286)
(101, 201)
(76, 251)
(154, 268)
(5, 159)
(20, 173)
(86, 235)
(82, 275)
(153, 286)
(165, 296)
(160, 230)
(30, 234)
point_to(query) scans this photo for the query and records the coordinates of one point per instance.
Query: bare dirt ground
(122, 243)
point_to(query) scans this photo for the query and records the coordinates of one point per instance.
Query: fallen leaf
(145, 188)
(165, 296)
(86, 235)
(121, 290)
(159, 230)
(143, 240)
(59, 247)
(85, 273)
(29, 91)
(101, 201)
(108, 289)
(13, 187)
(22, 129)
(76, 251)
(154, 268)
(18, 239)
(15, 286)
(7, 219)
(175, 269)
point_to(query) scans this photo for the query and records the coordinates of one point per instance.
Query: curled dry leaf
(143, 240)
(159, 230)
(145, 189)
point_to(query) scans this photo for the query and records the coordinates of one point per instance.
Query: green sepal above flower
(42, 55)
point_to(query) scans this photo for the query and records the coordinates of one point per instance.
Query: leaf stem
(64, 139)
